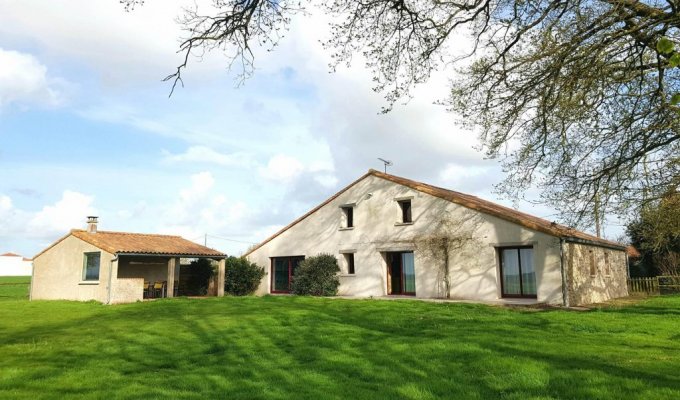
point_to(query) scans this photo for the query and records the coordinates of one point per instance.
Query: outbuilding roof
(141, 244)
(472, 202)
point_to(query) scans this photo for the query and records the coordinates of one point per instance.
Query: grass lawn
(309, 348)
(14, 287)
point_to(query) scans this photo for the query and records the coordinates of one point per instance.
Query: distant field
(309, 348)
(14, 287)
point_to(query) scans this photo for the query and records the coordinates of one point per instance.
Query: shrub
(317, 276)
(200, 272)
(242, 277)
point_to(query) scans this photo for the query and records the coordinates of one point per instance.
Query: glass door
(401, 273)
(283, 271)
(518, 277)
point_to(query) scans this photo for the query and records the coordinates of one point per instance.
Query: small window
(405, 206)
(593, 267)
(607, 266)
(348, 212)
(349, 260)
(91, 266)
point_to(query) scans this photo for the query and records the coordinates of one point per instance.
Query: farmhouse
(12, 264)
(114, 267)
(398, 237)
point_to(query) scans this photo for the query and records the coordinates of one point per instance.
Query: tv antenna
(387, 163)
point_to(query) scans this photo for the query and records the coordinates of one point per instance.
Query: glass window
(283, 271)
(405, 206)
(517, 272)
(348, 212)
(349, 260)
(91, 266)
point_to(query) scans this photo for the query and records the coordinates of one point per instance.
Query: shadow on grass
(322, 348)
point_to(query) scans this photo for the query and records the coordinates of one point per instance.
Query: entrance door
(283, 270)
(518, 278)
(401, 273)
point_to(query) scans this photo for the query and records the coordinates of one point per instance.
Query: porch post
(220, 277)
(170, 287)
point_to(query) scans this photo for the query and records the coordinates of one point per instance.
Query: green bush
(200, 272)
(317, 276)
(242, 277)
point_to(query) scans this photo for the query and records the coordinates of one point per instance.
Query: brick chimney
(92, 224)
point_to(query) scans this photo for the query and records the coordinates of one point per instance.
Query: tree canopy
(656, 234)
(576, 97)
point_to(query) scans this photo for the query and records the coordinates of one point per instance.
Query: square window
(91, 266)
(405, 206)
(349, 260)
(348, 212)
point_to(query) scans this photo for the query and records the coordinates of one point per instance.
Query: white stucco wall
(14, 266)
(57, 273)
(474, 269)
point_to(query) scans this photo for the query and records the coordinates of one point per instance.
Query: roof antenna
(387, 163)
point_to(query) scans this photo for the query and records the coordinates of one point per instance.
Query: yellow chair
(147, 290)
(158, 289)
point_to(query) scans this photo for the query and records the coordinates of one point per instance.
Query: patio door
(283, 271)
(401, 273)
(518, 277)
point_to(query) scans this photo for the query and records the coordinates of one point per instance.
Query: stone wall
(595, 274)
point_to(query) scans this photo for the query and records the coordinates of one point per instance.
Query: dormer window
(347, 216)
(405, 207)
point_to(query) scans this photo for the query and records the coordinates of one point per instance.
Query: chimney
(92, 224)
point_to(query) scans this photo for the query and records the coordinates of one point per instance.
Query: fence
(656, 285)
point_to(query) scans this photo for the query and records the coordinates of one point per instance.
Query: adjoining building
(114, 267)
(398, 237)
(12, 264)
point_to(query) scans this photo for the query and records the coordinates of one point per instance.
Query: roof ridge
(128, 233)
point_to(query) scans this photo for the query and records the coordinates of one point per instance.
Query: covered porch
(137, 277)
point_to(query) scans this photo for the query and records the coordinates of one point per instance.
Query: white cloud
(204, 154)
(282, 168)
(24, 81)
(67, 213)
(49, 222)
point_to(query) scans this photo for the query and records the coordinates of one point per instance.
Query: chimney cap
(92, 218)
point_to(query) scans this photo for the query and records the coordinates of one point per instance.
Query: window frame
(348, 214)
(404, 213)
(86, 256)
(350, 262)
(291, 269)
(499, 251)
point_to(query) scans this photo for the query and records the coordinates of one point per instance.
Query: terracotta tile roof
(472, 202)
(632, 251)
(9, 255)
(497, 210)
(141, 243)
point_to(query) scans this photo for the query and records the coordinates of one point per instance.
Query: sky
(87, 128)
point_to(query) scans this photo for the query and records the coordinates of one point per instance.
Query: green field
(14, 287)
(310, 348)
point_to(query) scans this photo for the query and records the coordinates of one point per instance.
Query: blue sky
(86, 127)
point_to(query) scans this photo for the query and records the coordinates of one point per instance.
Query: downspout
(114, 259)
(565, 291)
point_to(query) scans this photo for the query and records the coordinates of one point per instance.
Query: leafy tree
(656, 234)
(200, 272)
(242, 277)
(317, 276)
(577, 97)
